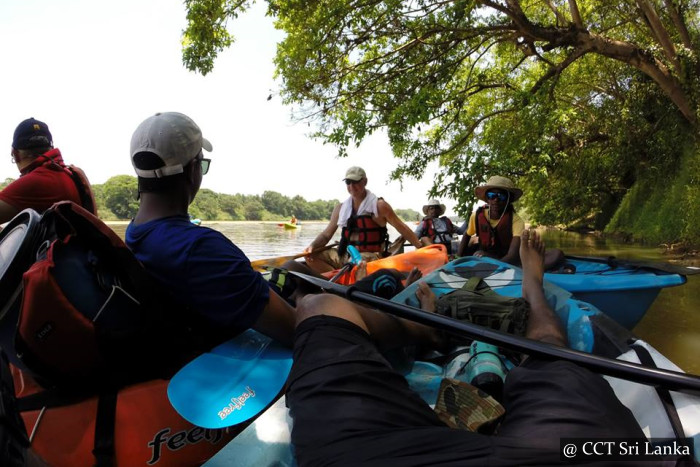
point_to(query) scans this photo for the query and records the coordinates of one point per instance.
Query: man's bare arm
(387, 212)
(324, 237)
(277, 320)
(513, 255)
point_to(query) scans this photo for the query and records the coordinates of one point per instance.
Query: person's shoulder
(383, 204)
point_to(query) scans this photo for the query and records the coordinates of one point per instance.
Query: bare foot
(413, 276)
(532, 260)
(361, 271)
(543, 324)
(426, 297)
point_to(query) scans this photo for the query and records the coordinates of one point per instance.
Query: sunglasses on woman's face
(494, 194)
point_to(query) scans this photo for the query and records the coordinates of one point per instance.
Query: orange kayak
(147, 430)
(426, 259)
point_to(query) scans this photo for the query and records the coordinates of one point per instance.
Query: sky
(94, 70)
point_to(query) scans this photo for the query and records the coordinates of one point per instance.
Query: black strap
(104, 429)
(646, 359)
(49, 398)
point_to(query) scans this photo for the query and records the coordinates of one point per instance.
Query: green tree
(542, 90)
(408, 215)
(254, 209)
(276, 203)
(205, 205)
(231, 205)
(120, 193)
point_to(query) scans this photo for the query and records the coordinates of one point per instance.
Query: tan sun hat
(355, 174)
(434, 202)
(501, 183)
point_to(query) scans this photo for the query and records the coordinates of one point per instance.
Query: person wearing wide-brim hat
(435, 228)
(494, 229)
(498, 183)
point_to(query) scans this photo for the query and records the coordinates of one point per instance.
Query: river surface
(672, 324)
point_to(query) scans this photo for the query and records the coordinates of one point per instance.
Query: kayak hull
(588, 329)
(624, 293)
(148, 431)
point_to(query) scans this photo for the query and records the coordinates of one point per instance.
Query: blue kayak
(588, 330)
(267, 440)
(622, 290)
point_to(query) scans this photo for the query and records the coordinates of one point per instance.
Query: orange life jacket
(494, 240)
(365, 234)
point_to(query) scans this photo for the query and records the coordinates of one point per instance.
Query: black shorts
(351, 408)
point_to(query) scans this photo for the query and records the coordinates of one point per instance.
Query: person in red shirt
(44, 178)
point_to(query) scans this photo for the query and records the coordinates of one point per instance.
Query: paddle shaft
(672, 380)
(280, 260)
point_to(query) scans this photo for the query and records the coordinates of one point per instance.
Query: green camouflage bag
(477, 303)
(465, 407)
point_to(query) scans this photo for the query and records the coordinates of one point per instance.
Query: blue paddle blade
(232, 383)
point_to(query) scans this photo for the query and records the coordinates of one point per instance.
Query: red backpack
(86, 314)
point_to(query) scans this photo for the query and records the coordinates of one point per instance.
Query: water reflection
(672, 325)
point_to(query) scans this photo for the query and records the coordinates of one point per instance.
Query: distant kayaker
(435, 228)
(350, 407)
(494, 229)
(293, 220)
(363, 218)
(202, 268)
(44, 178)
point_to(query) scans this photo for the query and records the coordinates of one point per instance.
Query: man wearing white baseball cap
(363, 218)
(201, 267)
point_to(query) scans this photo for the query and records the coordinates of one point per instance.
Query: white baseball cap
(172, 136)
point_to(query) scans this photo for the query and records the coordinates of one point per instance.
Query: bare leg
(318, 265)
(543, 324)
(361, 271)
(553, 258)
(387, 331)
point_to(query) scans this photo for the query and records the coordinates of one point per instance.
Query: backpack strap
(104, 429)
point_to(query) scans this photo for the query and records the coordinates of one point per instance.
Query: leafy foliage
(120, 196)
(575, 99)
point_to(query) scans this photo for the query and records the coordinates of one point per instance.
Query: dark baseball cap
(31, 133)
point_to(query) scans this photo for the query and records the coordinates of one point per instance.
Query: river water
(672, 324)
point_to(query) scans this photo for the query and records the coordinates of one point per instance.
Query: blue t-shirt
(202, 268)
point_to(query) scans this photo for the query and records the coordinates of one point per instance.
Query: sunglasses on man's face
(205, 165)
(494, 194)
(352, 182)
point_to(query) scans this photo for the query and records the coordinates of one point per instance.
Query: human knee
(329, 305)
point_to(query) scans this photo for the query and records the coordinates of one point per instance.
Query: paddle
(266, 263)
(232, 383)
(672, 380)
